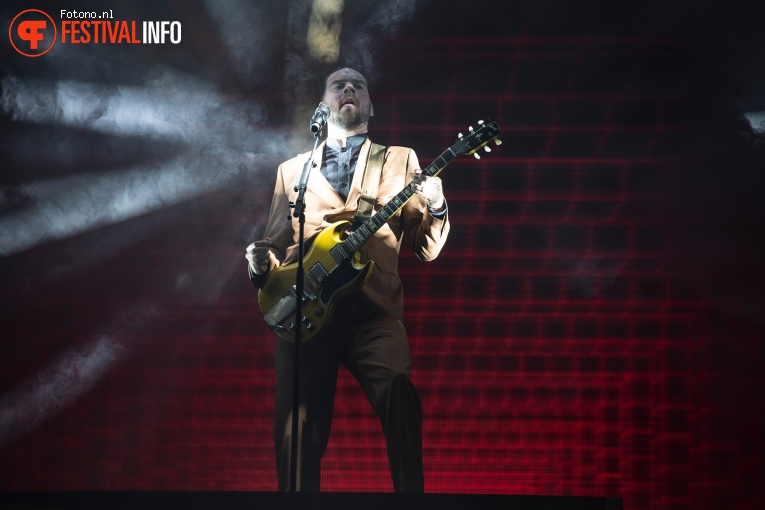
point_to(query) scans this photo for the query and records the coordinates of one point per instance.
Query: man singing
(366, 333)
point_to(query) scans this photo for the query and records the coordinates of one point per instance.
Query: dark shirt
(339, 162)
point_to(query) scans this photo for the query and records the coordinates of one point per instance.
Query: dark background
(594, 325)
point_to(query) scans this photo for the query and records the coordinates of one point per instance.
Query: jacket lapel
(321, 188)
(358, 174)
(318, 184)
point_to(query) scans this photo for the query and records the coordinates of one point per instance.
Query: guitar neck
(345, 250)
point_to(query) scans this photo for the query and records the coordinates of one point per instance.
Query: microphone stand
(299, 212)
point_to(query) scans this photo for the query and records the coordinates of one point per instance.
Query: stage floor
(118, 500)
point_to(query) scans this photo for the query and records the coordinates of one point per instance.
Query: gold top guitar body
(326, 281)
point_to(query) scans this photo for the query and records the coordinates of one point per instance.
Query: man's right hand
(259, 257)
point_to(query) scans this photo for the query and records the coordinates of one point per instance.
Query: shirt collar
(351, 142)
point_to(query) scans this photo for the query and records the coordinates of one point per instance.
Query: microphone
(319, 118)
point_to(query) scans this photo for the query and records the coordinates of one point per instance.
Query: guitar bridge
(285, 308)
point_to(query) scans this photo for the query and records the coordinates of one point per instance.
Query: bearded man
(366, 334)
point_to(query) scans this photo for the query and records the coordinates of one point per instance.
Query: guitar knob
(487, 148)
(476, 155)
(498, 141)
(480, 122)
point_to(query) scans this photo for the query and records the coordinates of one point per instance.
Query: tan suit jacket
(382, 296)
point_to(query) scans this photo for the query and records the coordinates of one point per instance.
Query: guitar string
(446, 157)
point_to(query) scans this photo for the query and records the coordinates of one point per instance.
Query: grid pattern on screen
(561, 346)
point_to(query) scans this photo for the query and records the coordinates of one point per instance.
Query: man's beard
(349, 118)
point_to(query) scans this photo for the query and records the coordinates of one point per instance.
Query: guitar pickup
(318, 273)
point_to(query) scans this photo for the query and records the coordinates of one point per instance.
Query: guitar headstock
(477, 139)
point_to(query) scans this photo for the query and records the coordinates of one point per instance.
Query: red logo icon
(32, 33)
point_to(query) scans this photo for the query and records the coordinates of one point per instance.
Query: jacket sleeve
(279, 232)
(425, 233)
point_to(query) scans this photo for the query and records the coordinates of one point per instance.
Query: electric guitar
(332, 267)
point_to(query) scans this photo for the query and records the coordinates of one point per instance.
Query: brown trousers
(377, 354)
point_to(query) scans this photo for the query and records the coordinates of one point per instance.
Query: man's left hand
(430, 188)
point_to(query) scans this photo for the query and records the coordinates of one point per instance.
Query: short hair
(333, 71)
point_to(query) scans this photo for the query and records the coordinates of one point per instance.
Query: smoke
(365, 26)
(57, 386)
(389, 15)
(218, 141)
(383, 21)
(204, 283)
(222, 142)
(74, 374)
(589, 277)
(374, 22)
(93, 250)
(245, 29)
(756, 121)
(172, 106)
(69, 206)
(202, 140)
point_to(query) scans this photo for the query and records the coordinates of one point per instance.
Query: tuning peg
(498, 141)
(470, 128)
(480, 122)
(477, 156)
(487, 148)
(459, 135)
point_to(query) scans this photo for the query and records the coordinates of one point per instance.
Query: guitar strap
(369, 186)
